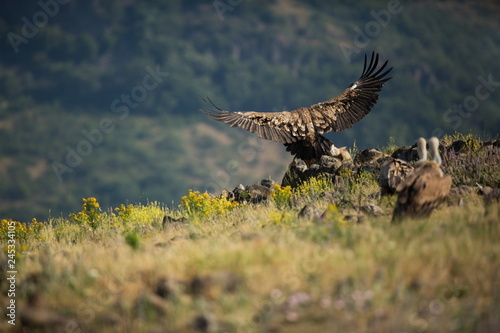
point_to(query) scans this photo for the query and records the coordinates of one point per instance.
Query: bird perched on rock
(300, 130)
(425, 189)
(392, 173)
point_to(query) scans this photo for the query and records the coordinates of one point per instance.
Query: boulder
(406, 153)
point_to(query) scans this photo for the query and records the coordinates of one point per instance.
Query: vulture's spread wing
(276, 126)
(343, 111)
(337, 114)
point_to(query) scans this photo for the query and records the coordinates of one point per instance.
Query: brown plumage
(392, 174)
(300, 130)
(425, 189)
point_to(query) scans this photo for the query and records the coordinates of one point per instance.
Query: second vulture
(425, 189)
(300, 130)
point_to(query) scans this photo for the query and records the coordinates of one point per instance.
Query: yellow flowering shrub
(472, 142)
(21, 231)
(90, 214)
(362, 184)
(196, 204)
(15, 255)
(124, 212)
(279, 218)
(282, 196)
(314, 186)
(345, 173)
(138, 216)
(332, 214)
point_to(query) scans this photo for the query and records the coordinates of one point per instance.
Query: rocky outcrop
(390, 169)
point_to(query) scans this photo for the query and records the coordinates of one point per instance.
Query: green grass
(260, 268)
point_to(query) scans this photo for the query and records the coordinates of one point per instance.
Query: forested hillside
(101, 98)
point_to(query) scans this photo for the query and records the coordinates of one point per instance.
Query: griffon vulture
(425, 189)
(300, 130)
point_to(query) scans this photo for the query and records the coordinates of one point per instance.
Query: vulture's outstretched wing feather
(276, 126)
(336, 114)
(343, 111)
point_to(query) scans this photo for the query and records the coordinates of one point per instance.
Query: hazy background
(76, 78)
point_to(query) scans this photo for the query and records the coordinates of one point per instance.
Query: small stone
(166, 288)
(309, 211)
(345, 168)
(37, 318)
(300, 165)
(180, 237)
(341, 153)
(110, 319)
(457, 146)
(250, 236)
(258, 193)
(172, 223)
(201, 285)
(205, 323)
(367, 156)
(314, 168)
(406, 153)
(494, 143)
(484, 190)
(240, 194)
(373, 210)
(267, 183)
(150, 302)
(295, 174)
(329, 163)
(493, 196)
(456, 195)
(211, 286)
(354, 217)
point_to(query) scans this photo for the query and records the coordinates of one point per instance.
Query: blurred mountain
(101, 98)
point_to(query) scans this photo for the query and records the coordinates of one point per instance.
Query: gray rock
(314, 168)
(295, 174)
(267, 183)
(166, 288)
(258, 193)
(457, 146)
(484, 190)
(43, 320)
(492, 197)
(205, 323)
(372, 209)
(355, 218)
(406, 153)
(367, 156)
(147, 303)
(329, 163)
(240, 194)
(170, 222)
(309, 211)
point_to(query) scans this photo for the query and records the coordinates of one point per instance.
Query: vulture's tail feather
(310, 152)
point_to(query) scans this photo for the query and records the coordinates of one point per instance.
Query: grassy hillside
(213, 265)
(259, 269)
(63, 77)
